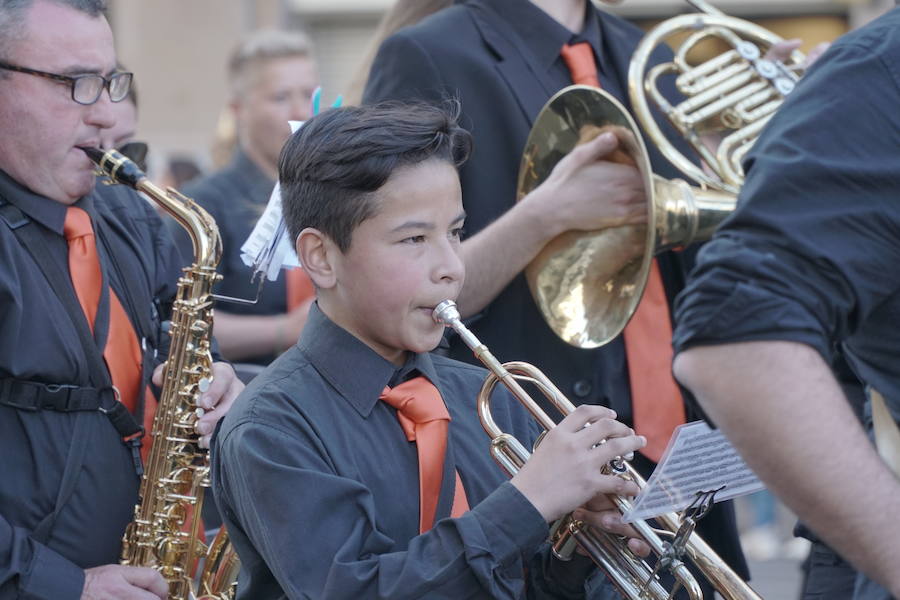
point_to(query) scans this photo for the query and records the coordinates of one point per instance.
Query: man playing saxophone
(87, 276)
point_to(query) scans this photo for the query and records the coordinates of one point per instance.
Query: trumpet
(632, 576)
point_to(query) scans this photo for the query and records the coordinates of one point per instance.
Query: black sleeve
(34, 571)
(806, 255)
(404, 70)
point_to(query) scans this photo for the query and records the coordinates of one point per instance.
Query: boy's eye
(415, 239)
(457, 233)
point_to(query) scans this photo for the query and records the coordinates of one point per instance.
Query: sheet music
(698, 459)
(269, 247)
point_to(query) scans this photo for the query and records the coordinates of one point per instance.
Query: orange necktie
(580, 60)
(299, 287)
(655, 398)
(122, 352)
(425, 421)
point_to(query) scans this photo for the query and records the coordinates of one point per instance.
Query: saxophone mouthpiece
(115, 165)
(445, 312)
(95, 154)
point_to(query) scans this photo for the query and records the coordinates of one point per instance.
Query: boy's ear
(317, 252)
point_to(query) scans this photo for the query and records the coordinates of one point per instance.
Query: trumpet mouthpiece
(445, 312)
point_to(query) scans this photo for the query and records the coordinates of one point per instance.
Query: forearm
(781, 407)
(246, 336)
(500, 251)
(32, 570)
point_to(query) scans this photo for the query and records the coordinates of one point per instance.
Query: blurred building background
(178, 49)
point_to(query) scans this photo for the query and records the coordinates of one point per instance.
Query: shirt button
(582, 388)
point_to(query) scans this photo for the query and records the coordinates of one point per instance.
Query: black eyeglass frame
(73, 81)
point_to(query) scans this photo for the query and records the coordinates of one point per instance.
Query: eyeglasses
(86, 89)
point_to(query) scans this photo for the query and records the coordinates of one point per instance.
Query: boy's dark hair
(330, 168)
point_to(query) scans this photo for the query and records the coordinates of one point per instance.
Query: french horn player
(486, 54)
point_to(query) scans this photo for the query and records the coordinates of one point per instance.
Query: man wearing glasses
(83, 271)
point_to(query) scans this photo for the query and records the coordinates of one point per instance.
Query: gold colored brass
(166, 531)
(729, 97)
(587, 284)
(631, 575)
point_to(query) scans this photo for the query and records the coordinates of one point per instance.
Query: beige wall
(178, 50)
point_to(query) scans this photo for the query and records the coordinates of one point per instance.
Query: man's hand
(781, 51)
(117, 582)
(586, 191)
(217, 400)
(600, 513)
(565, 470)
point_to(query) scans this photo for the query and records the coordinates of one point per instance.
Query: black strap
(74, 460)
(144, 325)
(34, 396)
(29, 237)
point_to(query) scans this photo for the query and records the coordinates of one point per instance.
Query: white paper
(698, 459)
(269, 247)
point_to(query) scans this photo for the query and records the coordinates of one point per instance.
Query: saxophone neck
(198, 223)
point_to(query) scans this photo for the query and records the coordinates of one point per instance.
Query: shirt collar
(49, 213)
(330, 349)
(545, 36)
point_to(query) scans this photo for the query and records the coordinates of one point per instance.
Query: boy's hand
(565, 470)
(600, 513)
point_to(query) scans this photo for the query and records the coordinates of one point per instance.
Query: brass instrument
(631, 575)
(588, 284)
(732, 95)
(165, 533)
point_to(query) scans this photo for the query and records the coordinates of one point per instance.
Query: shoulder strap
(130, 295)
(29, 237)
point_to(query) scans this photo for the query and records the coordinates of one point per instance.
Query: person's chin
(427, 341)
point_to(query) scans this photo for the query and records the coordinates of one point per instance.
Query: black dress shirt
(811, 253)
(319, 486)
(236, 197)
(39, 343)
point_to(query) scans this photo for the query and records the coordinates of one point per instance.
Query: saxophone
(165, 533)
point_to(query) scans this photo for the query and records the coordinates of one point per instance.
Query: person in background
(271, 76)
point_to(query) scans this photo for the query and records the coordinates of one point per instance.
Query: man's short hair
(331, 167)
(12, 17)
(259, 47)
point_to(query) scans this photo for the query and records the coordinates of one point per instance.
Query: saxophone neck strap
(28, 395)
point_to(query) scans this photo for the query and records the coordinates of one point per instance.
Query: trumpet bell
(587, 284)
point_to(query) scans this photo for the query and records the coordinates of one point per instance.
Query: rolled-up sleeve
(807, 255)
